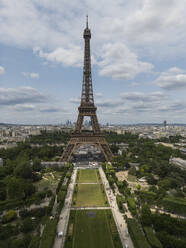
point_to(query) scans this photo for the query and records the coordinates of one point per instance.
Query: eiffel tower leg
(79, 123)
(67, 152)
(95, 125)
(107, 152)
(104, 147)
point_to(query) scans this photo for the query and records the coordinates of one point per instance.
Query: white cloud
(58, 25)
(108, 103)
(67, 57)
(173, 79)
(75, 100)
(120, 63)
(98, 94)
(32, 75)
(143, 96)
(2, 70)
(21, 95)
(156, 21)
(127, 38)
(51, 109)
(23, 107)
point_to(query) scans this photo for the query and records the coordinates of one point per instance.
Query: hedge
(174, 205)
(131, 205)
(34, 242)
(148, 196)
(120, 200)
(51, 204)
(13, 204)
(60, 184)
(151, 237)
(136, 234)
(49, 234)
(10, 204)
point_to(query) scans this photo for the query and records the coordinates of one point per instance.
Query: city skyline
(138, 61)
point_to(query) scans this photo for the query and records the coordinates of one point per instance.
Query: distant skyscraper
(165, 124)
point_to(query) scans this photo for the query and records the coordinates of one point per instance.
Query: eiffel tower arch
(87, 108)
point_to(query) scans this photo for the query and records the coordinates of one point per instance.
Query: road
(64, 216)
(118, 217)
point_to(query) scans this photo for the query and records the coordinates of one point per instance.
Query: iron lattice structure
(87, 108)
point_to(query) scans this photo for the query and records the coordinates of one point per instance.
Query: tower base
(78, 140)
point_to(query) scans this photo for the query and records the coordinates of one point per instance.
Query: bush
(151, 237)
(6, 231)
(131, 205)
(120, 200)
(27, 225)
(49, 234)
(51, 204)
(59, 184)
(34, 242)
(9, 216)
(64, 187)
(61, 196)
(148, 196)
(137, 234)
(41, 195)
(23, 213)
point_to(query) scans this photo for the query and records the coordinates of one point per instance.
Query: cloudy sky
(138, 60)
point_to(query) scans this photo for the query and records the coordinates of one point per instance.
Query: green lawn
(131, 178)
(87, 176)
(49, 180)
(89, 195)
(92, 229)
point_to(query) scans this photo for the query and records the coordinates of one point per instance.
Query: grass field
(49, 180)
(131, 178)
(92, 229)
(89, 195)
(87, 176)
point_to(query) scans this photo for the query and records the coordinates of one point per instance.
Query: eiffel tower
(87, 108)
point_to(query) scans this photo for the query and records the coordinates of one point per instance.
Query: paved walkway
(88, 183)
(65, 213)
(118, 217)
(89, 208)
(161, 211)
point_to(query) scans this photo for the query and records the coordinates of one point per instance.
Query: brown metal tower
(87, 108)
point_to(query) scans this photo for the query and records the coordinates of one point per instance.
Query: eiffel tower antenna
(87, 108)
(87, 21)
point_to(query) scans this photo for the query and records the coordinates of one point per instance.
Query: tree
(14, 188)
(2, 191)
(37, 164)
(150, 179)
(28, 188)
(146, 215)
(165, 183)
(9, 216)
(27, 225)
(23, 170)
(114, 148)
